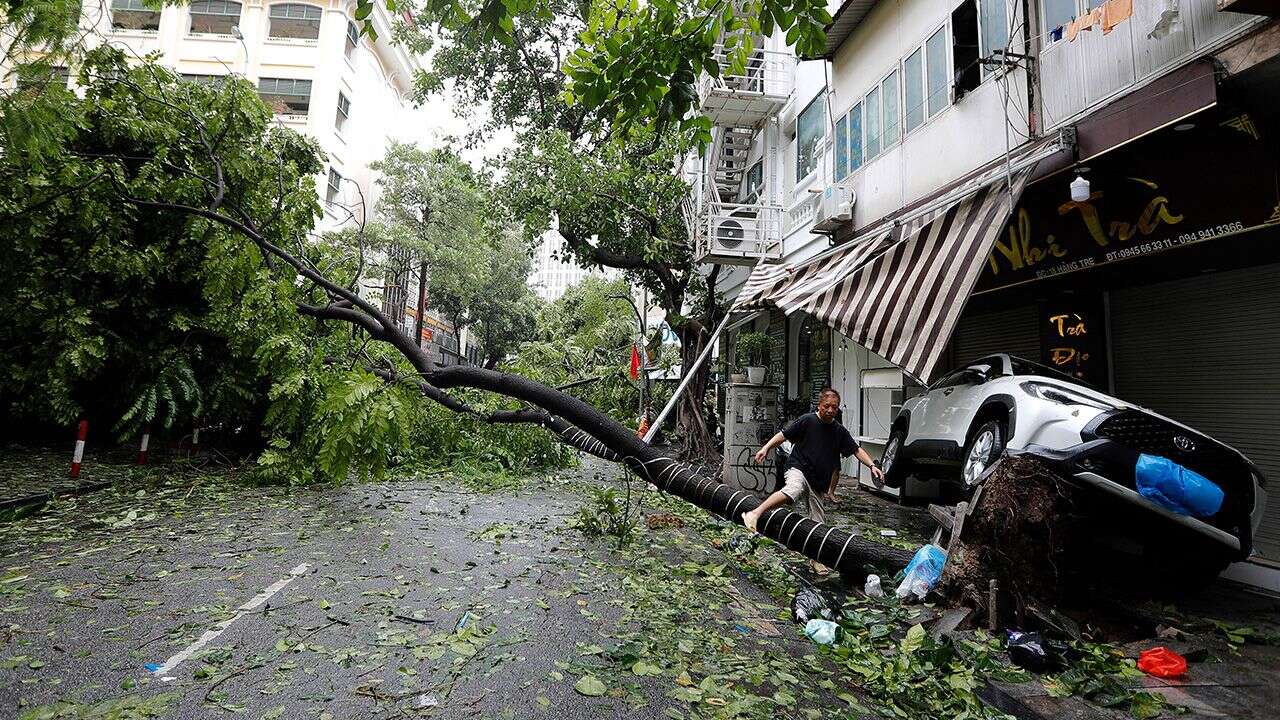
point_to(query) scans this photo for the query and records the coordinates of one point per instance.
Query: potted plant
(751, 350)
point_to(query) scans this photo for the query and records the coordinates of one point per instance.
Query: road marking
(212, 633)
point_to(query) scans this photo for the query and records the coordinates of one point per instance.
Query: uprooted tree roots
(1017, 533)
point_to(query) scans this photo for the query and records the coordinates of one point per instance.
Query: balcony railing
(745, 98)
(738, 234)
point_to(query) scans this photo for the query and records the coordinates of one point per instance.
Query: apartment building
(311, 65)
(552, 276)
(906, 204)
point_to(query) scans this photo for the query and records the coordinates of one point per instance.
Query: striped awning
(898, 292)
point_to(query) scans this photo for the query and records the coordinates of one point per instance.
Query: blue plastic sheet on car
(1172, 486)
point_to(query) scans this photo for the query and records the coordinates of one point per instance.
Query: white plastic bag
(821, 631)
(922, 572)
(872, 588)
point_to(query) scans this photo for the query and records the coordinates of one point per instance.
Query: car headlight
(1063, 396)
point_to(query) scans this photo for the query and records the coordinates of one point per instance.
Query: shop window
(294, 21)
(965, 52)
(814, 360)
(286, 96)
(913, 89)
(214, 17)
(38, 78)
(134, 15)
(810, 129)
(936, 61)
(353, 40)
(344, 111)
(333, 188)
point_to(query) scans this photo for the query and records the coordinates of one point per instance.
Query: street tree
(431, 207)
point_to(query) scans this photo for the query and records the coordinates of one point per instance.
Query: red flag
(635, 363)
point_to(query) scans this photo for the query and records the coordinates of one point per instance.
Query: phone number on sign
(1183, 239)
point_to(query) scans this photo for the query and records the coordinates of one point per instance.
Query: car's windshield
(1026, 367)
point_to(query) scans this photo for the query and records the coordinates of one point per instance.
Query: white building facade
(311, 65)
(921, 106)
(551, 276)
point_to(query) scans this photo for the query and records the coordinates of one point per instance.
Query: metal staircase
(733, 222)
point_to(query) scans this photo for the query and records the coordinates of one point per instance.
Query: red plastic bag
(1162, 662)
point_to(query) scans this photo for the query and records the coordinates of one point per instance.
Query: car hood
(1122, 405)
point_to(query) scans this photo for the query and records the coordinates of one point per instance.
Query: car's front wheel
(984, 446)
(891, 463)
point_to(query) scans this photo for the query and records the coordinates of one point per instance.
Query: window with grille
(344, 111)
(133, 15)
(203, 79)
(216, 17)
(334, 186)
(286, 96)
(294, 20)
(353, 39)
(39, 78)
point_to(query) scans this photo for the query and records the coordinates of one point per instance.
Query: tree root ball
(1017, 533)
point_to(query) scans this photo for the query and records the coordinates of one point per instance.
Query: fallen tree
(197, 158)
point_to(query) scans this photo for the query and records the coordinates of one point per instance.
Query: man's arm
(876, 474)
(763, 453)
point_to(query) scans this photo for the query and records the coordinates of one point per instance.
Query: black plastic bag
(1032, 652)
(810, 603)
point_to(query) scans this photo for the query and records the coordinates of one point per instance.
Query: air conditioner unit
(736, 232)
(834, 209)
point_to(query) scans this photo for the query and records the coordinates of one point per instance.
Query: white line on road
(209, 635)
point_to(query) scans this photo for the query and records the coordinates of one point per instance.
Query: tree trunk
(422, 302)
(699, 445)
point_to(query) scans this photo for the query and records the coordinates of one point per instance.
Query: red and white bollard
(78, 454)
(142, 449)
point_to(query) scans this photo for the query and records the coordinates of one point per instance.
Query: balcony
(1080, 74)
(737, 233)
(745, 99)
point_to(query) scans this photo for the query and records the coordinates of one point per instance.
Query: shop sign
(1073, 339)
(1167, 191)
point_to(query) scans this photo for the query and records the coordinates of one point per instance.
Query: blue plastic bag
(922, 572)
(1172, 486)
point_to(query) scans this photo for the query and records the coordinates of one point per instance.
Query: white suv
(961, 424)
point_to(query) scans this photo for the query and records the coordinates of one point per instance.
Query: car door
(954, 402)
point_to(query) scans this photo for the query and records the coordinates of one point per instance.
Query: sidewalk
(32, 475)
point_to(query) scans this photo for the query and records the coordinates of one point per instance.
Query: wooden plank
(942, 515)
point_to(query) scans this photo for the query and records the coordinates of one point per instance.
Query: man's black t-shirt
(817, 448)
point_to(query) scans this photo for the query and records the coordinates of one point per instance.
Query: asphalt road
(397, 599)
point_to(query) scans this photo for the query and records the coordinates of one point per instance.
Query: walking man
(814, 467)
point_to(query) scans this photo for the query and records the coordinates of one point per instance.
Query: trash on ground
(463, 621)
(872, 588)
(888, 533)
(1174, 487)
(1032, 652)
(821, 631)
(152, 667)
(1162, 662)
(810, 603)
(428, 701)
(922, 572)
(741, 628)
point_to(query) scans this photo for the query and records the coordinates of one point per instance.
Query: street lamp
(235, 32)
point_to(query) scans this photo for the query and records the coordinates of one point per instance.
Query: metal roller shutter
(1203, 351)
(1012, 330)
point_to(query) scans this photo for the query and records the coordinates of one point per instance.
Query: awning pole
(684, 381)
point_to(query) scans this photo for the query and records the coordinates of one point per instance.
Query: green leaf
(590, 686)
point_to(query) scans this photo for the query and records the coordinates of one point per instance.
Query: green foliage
(1103, 675)
(608, 515)
(630, 65)
(130, 315)
(751, 348)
